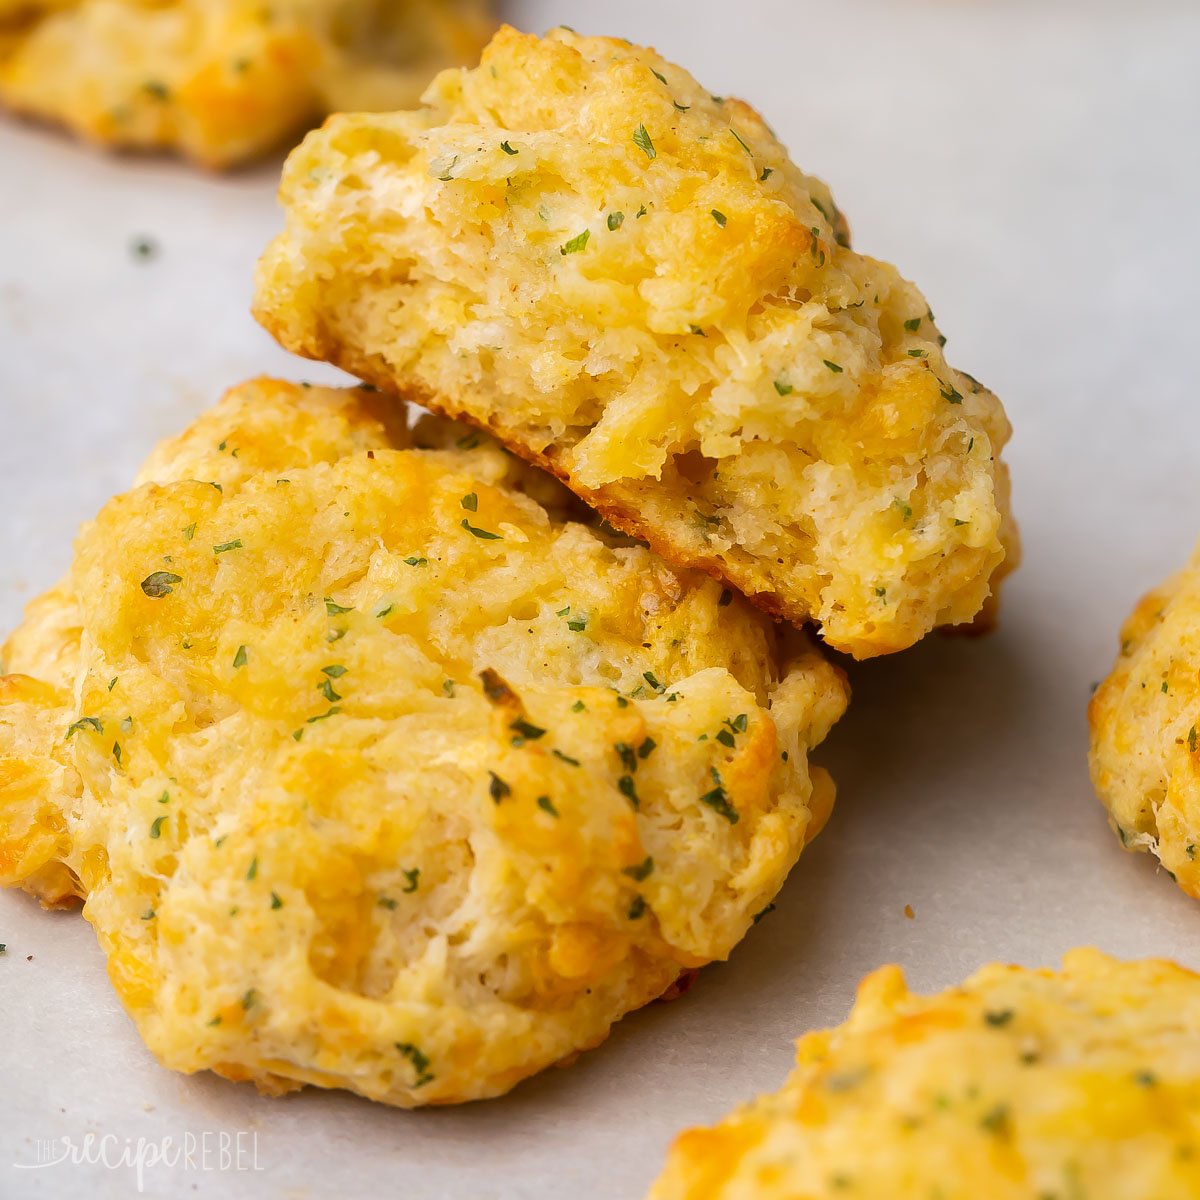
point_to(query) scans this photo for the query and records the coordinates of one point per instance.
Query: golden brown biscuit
(1081, 1084)
(628, 281)
(376, 773)
(1145, 756)
(222, 81)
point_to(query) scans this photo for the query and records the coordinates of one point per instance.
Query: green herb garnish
(719, 801)
(577, 243)
(333, 712)
(419, 1061)
(625, 786)
(144, 248)
(641, 139)
(485, 534)
(996, 1121)
(160, 584)
(526, 731)
(641, 871)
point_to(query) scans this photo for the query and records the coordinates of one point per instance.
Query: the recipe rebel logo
(215, 1150)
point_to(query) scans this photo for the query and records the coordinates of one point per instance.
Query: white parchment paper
(1035, 166)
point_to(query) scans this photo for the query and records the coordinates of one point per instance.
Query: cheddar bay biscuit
(223, 80)
(626, 279)
(375, 771)
(1145, 749)
(1019, 1085)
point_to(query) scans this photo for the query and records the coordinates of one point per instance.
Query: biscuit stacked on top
(626, 279)
(379, 761)
(222, 81)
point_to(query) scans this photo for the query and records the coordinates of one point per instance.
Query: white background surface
(1035, 167)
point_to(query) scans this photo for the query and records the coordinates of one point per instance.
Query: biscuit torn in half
(1018, 1085)
(626, 279)
(222, 81)
(377, 771)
